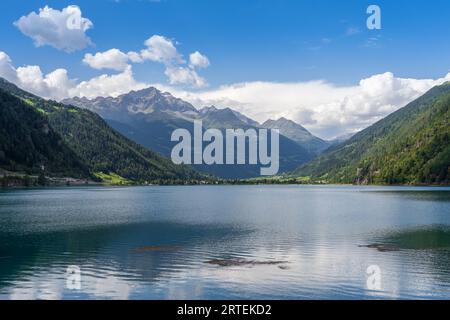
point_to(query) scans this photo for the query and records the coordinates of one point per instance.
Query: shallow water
(225, 242)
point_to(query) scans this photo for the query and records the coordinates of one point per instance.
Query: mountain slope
(410, 146)
(29, 144)
(230, 116)
(223, 118)
(102, 149)
(105, 150)
(297, 133)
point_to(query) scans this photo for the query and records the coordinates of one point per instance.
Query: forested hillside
(410, 146)
(29, 144)
(87, 141)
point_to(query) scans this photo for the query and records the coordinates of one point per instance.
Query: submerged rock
(381, 247)
(242, 262)
(154, 248)
(282, 267)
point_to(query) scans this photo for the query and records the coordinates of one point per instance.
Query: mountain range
(126, 139)
(149, 117)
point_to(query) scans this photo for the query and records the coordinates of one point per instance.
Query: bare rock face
(145, 101)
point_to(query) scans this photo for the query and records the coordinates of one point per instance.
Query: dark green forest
(29, 144)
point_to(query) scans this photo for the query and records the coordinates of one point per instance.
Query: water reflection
(421, 238)
(426, 194)
(155, 243)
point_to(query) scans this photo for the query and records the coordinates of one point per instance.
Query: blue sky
(255, 40)
(288, 41)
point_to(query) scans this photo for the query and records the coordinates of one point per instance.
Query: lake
(225, 242)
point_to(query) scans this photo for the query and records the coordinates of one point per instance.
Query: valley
(127, 140)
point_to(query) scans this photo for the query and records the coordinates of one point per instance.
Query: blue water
(162, 242)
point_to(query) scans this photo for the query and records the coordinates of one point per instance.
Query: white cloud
(107, 85)
(199, 60)
(63, 30)
(7, 70)
(324, 108)
(158, 49)
(161, 49)
(135, 57)
(57, 85)
(112, 59)
(183, 75)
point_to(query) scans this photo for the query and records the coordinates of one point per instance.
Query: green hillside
(87, 137)
(410, 146)
(30, 145)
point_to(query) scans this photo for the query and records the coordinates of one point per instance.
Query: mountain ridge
(153, 129)
(297, 133)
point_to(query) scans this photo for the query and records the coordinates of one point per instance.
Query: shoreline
(101, 184)
(11, 180)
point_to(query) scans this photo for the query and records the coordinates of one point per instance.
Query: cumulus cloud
(57, 85)
(135, 57)
(54, 84)
(183, 75)
(63, 30)
(161, 49)
(7, 70)
(199, 60)
(108, 85)
(158, 49)
(112, 59)
(324, 108)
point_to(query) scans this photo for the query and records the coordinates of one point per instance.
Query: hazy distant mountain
(224, 118)
(409, 146)
(299, 134)
(340, 139)
(246, 119)
(149, 117)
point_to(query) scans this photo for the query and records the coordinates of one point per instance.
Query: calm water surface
(225, 242)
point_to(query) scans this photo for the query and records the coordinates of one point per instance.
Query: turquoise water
(225, 242)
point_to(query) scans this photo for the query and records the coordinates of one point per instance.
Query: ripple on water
(153, 242)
